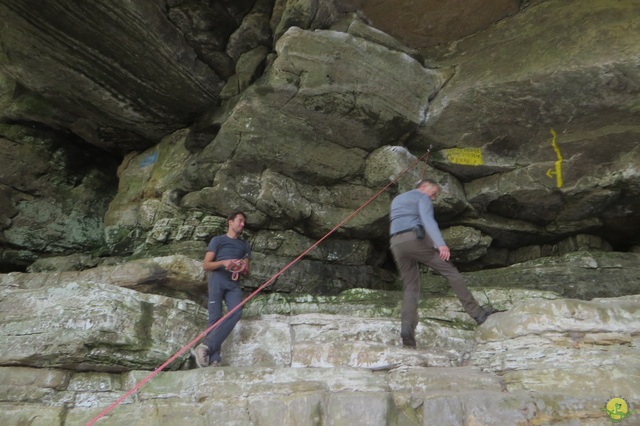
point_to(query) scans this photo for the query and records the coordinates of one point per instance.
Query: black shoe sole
(409, 342)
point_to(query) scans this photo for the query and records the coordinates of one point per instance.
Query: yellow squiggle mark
(558, 171)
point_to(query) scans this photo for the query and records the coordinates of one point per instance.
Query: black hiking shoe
(489, 310)
(408, 341)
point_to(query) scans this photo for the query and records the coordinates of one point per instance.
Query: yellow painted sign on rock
(466, 156)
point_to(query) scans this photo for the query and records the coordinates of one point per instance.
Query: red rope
(252, 295)
(237, 267)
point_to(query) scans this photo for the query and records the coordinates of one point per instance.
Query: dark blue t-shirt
(227, 248)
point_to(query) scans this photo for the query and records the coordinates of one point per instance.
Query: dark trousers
(408, 252)
(232, 295)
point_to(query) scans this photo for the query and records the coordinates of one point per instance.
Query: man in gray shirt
(415, 239)
(225, 253)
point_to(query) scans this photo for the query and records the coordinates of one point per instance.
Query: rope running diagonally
(425, 156)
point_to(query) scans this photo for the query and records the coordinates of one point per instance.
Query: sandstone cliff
(129, 131)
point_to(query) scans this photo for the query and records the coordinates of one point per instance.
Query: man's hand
(444, 252)
(237, 267)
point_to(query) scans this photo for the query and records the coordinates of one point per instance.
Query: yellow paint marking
(467, 156)
(558, 171)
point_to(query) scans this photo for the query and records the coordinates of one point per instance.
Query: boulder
(564, 346)
(306, 113)
(67, 323)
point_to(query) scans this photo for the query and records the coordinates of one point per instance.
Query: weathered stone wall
(74, 343)
(298, 111)
(128, 132)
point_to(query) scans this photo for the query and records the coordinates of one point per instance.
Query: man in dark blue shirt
(225, 254)
(415, 239)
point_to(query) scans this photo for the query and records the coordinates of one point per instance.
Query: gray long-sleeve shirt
(414, 208)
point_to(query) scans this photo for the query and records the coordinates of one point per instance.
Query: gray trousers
(408, 252)
(230, 292)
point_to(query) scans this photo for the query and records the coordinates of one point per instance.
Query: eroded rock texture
(129, 131)
(75, 343)
(118, 76)
(299, 111)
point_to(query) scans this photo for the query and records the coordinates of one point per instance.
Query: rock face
(298, 112)
(519, 69)
(129, 131)
(533, 346)
(54, 194)
(102, 87)
(310, 359)
(431, 25)
(74, 324)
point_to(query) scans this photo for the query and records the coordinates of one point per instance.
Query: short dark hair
(233, 215)
(429, 181)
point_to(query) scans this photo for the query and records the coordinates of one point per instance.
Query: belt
(404, 231)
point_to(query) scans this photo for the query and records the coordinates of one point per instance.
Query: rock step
(284, 396)
(323, 340)
(543, 361)
(92, 326)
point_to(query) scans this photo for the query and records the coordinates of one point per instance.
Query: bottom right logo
(618, 409)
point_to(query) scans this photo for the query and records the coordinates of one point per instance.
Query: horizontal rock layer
(533, 363)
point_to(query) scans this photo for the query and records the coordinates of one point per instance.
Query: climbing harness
(424, 158)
